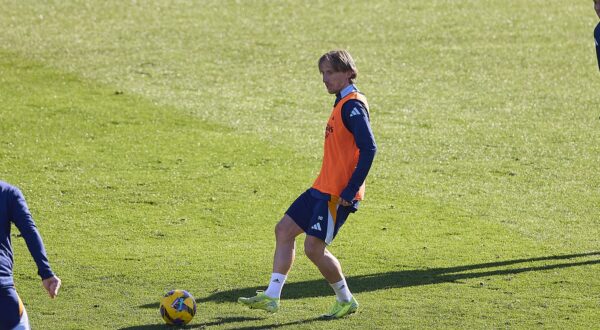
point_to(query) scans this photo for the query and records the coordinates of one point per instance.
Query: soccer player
(597, 31)
(13, 208)
(320, 211)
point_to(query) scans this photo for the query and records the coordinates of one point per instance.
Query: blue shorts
(319, 214)
(11, 307)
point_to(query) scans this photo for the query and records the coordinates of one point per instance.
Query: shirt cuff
(349, 192)
(45, 274)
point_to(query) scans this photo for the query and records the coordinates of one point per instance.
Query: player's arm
(21, 217)
(356, 119)
(597, 40)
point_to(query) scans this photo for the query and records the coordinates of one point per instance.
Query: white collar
(347, 90)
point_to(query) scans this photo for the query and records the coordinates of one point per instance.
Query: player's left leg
(327, 221)
(331, 269)
(316, 250)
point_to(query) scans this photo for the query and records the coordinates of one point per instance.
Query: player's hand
(52, 284)
(344, 202)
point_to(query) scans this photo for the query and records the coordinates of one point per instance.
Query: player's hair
(341, 61)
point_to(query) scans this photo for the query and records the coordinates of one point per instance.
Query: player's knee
(286, 229)
(313, 251)
(282, 232)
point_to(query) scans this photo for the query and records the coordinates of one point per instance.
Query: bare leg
(286, 231)
(327, 263)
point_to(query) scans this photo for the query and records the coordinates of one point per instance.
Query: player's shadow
(288, 324)
(409, 278)
(224, 320)
(395, 279)
(219, 321)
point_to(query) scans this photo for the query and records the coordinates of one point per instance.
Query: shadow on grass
(395, 279)
(226, 320)
(408, 278)
(288, 324)
(219, 321)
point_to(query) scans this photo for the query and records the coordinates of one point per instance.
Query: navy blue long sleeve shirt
(13, 209)
(597, 39)
(356, 119)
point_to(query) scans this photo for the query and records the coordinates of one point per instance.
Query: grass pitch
(159, 142)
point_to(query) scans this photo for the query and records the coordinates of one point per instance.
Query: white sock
(275, 285)
(342, 291)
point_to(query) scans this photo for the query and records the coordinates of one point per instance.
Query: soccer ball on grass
(177, 307)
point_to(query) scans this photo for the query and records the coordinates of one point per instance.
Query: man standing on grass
(597, 31)
(319, 212)
(13, 208)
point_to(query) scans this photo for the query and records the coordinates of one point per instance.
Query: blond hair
(341, 61)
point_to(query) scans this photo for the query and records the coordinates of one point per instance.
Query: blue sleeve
(597, 40)
(356, 119)
(21, 217)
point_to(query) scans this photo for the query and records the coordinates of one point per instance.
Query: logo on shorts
(320, 218)
(316, 226)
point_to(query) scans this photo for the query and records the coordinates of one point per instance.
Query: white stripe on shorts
(330, 226)
(24, 323)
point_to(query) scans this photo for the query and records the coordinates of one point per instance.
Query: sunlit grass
(158, 144)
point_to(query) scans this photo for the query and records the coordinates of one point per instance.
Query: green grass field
(158, 143)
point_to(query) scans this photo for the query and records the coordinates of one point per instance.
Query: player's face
(597, 7)
(334, 81)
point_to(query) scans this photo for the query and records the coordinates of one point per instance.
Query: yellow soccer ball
(177, 307)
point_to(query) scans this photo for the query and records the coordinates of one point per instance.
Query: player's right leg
(13, 314)
(285, 234)
(261, 301)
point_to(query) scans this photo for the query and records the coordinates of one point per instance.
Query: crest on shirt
(328, 130)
